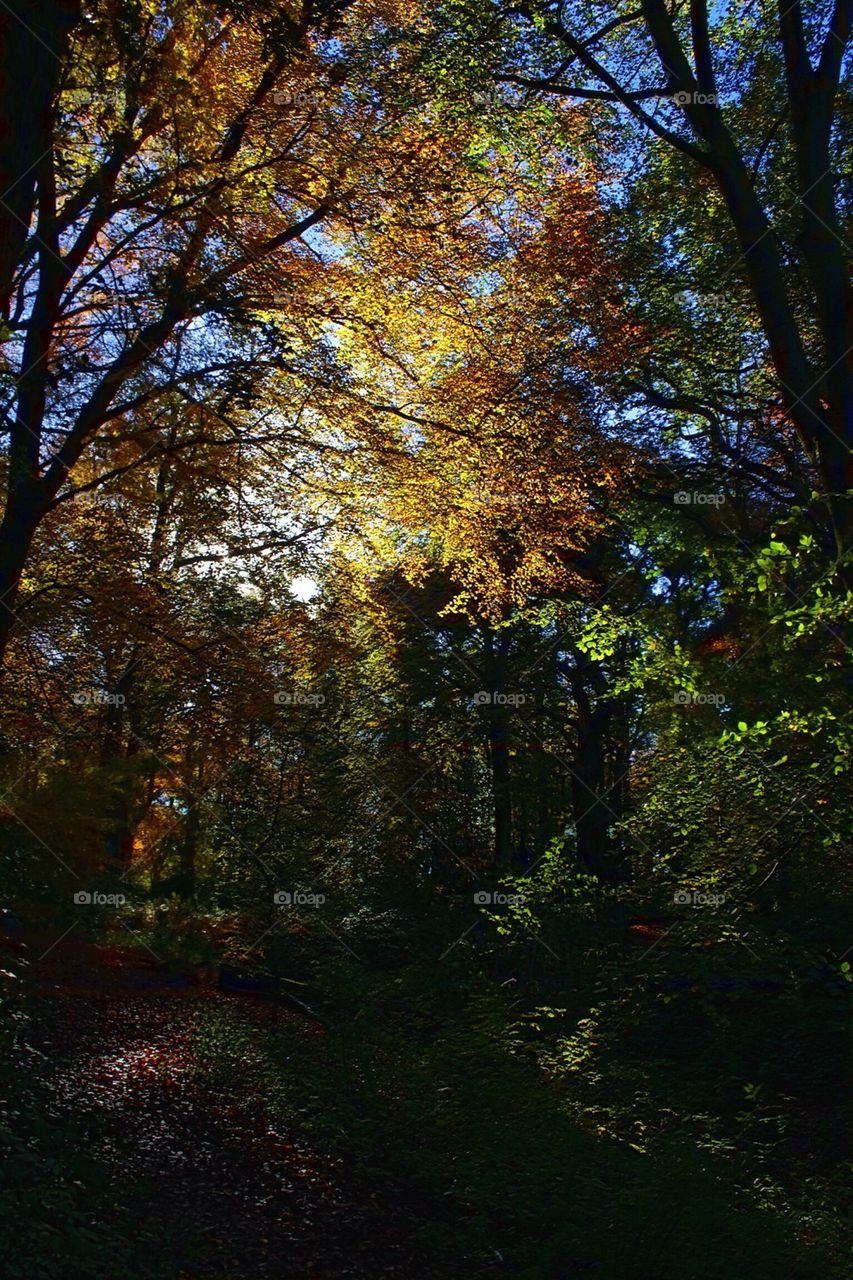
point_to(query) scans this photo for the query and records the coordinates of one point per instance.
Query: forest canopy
(425, 580)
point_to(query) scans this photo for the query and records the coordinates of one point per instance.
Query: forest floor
(224, 1189)
(153, 1127)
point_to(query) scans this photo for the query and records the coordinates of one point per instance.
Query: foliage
(425, 600)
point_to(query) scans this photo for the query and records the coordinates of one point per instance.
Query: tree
(191, 153)
(32, 52)
(696, 81)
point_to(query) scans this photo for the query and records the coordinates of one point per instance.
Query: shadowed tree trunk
(33, 40)
(496, 653)
(192, 829)
(593, 796)
(116, 754)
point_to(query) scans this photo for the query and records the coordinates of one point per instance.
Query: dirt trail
(244, 1197)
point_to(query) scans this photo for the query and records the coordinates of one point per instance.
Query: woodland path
(232, 1194)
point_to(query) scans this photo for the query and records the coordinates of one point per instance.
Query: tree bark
(33, 42)
(498, 740)
(24, 511)
(593, 808)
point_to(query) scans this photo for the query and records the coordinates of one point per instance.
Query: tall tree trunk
(547, 781)
(33, 41)
(192, 825)
(593, 808)
(592, 812)
(498, 740)
(17, 529)
(122, 819)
